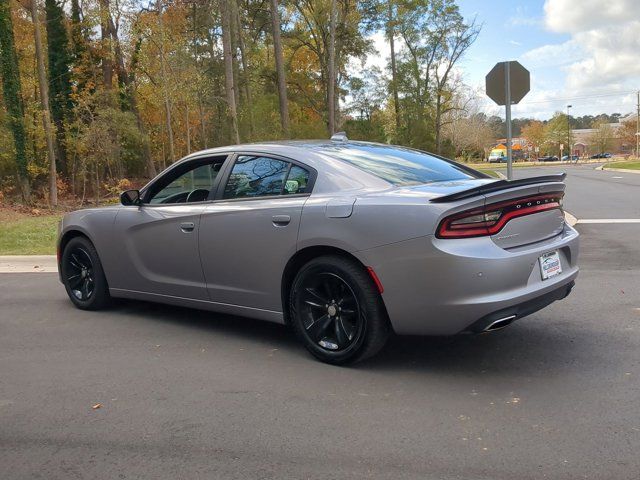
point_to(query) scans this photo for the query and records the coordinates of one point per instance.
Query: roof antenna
(339, 137)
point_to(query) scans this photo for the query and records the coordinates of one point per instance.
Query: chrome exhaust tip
(500, 323)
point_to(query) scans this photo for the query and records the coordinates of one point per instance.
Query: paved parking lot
(187, 394)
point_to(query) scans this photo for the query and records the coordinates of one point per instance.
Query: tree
(280, 75)
(391, 32)
(556, 133)
(457, 37)
(44, 100)
(534, 133)
(435, 37)
(230, 86)
(465, 128)
(12, 94)
(331, 80)
(602, 136)
(628, 135)
(59, 59)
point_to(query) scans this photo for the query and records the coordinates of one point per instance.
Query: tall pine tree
(59, 58)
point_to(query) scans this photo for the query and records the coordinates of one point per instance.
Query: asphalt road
(192, 395)
(593, 193)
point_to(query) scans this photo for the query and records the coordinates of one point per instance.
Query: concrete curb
(620, 170)
(570, 219)
(28, 264)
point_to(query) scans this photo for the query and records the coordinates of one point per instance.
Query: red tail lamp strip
(492, 218)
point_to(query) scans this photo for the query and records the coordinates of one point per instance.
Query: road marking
(609, 220)
(617, 177)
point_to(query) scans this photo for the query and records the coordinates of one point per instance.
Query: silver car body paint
(233, 259)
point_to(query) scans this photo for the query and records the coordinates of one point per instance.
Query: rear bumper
(447, 286)
(520, 310)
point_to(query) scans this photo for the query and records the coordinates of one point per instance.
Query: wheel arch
(66, 237)
(300, 258)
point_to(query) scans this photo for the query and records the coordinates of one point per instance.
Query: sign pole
(507, 81)
(506, 84)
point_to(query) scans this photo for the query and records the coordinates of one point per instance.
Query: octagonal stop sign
(496, 82)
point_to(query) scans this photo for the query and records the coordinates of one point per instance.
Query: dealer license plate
(550, 265)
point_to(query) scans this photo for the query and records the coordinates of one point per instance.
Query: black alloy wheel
(79, 274)
(83, 276)
(329, 311)
(337, 311)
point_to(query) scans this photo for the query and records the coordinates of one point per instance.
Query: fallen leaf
(97, 406)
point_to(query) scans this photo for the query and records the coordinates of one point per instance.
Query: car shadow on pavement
(528, 348)
(538, 343)
(255, 331)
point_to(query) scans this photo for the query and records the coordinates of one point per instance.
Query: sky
(585, 53)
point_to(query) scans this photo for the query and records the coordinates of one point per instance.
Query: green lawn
(626, 165)
(493, 173)
(28, 235)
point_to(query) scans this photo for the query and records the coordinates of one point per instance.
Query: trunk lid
(526, 208)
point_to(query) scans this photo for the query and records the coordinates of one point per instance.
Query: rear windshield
(400, 166)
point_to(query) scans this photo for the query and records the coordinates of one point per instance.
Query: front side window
(193, 185)
(256, 176)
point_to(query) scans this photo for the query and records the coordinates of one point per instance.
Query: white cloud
(600, 61)
(606, 34)
(612, 56)
(554, 55)
(567, 16)
(523, 18)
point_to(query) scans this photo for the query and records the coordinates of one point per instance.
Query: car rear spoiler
(497, 186)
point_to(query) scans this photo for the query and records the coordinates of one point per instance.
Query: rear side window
(400, 166)
(257, 176)
(297, 181)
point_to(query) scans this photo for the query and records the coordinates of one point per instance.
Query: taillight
(491, 218)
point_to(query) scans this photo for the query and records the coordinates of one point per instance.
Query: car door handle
(281, 220)
(187, 227)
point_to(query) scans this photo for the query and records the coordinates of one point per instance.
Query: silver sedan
(344, 241)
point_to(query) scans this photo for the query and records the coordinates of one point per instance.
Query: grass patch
(625, 165)
(493, 173)
(22, 234)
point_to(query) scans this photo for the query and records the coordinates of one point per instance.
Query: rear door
(249, 233)
(158, 240)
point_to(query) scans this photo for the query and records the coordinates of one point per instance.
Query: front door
(250, 232)
(159, 239)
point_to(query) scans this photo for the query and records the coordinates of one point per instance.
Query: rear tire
(83, 276)
(336, 310)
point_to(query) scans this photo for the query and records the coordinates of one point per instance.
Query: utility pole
(638, 126)
(569, 150)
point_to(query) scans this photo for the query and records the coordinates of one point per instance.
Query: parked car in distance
(343, 241)
(497, 156)
(566, 158)
(601, 155)
(548, 158)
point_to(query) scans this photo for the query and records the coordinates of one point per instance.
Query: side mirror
(130, 197)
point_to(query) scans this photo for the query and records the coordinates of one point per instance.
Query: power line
(580, 97)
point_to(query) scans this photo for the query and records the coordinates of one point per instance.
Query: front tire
(83, 276)
(336, 310)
